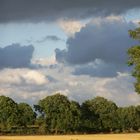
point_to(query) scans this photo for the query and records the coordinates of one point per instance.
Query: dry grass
(76, 137)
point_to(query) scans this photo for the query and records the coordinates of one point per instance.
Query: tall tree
(61, 115)
(101, 112)
(128, 118)
(8, 112)
(26, 114)
(89, 118)
(134, 58)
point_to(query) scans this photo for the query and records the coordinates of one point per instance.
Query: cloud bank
(94, 62)
(50, 10)
(26, 85)
(105, 40)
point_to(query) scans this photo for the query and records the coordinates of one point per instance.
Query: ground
(76, 137)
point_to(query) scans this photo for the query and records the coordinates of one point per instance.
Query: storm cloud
(16, 56)
(48, 10)
(104, 39)
(100, 69)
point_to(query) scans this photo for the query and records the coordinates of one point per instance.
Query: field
(76, 137)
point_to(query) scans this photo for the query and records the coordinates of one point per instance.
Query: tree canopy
(99, 112)
(134, 58)
(26, 114)
(8, 112)
(60, 115)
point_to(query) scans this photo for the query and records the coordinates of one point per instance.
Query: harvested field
(76, 137)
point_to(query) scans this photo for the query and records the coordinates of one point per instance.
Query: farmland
(76, 137)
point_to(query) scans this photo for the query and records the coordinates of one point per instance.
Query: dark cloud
(16, 56)
(100, 69)
(107, 40)
(41, 10)
(49, 38)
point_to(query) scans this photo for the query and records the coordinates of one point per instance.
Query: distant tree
(138, 117)
(128, 118)
(102, 113)
(61, 115)
(41, 122)
(75, 116)
(89, 120)
(26, 114)
(134, 58)
(8, 113)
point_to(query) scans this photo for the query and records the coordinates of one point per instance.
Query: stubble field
(76, 137)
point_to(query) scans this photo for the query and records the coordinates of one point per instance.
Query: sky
(77, 48)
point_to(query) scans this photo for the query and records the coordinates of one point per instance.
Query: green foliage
(128, 118)
(58, 115)
(61, 115)
(26, 114)
(101, 113)
(89, 119)
(75, 115)
(40, 121)
(8, 112)
(134, 58)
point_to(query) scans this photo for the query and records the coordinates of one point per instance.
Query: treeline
(57, 115)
